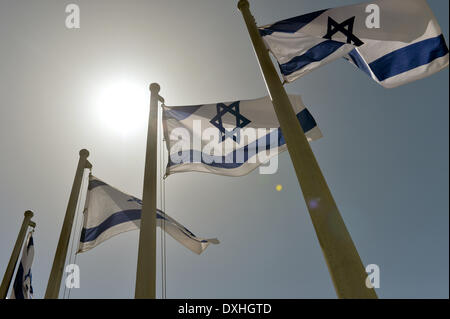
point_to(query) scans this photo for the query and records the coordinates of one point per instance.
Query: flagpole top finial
(29, 214)
(242, 4)
(154, 87)
(84, 153)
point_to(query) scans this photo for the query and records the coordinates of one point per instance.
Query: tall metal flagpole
(54, 282)
(344, 264)
(146, 264)
(6, 282)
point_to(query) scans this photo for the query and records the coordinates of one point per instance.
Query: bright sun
(123, 106)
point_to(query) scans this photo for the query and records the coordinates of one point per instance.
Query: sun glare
(123, 107)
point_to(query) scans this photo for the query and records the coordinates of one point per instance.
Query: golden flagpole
(6, 282)
(343, 261)
(146, 264)
(54, 282)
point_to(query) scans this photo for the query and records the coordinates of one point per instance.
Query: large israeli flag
(109, 212)
(22, 288)
(407, 46)
(230, 138)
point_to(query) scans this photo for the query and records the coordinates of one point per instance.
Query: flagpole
(146, 263)
(343, 261)
(54, 282)
(6, 282)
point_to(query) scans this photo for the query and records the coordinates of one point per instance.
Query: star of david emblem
(241, 121)
(345, 27)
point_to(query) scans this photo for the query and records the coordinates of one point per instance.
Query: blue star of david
(345, 27)
(241, 121)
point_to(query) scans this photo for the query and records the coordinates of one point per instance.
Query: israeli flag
(229, 138)
(405, 44)
(22, 288)
(109, 212)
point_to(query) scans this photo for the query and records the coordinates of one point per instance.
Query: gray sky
(385, 153)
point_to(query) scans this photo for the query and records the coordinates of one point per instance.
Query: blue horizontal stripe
(90, 234)
(291, 25)
(359, 61)
(30, 243)
(18, 283)
(409, 57)
(229, 161)
(315, 54)
(95, 183)
(180, 112)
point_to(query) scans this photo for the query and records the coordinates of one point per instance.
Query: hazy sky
(385, 153)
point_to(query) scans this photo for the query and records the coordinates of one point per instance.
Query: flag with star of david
(406, 45)
(109, 212)
(230, 138)
(22, 287)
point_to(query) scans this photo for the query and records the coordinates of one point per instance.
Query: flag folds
(22, 288)
(407, 46)
(109, 212)
(230, 138)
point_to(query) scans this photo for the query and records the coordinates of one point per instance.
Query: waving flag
(230, 138)
(407, 46)
(22, 288)
(109, 212)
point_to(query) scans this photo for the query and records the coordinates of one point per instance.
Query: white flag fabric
(22, 288)
(230, 138)
(109, 212)
(407, 46)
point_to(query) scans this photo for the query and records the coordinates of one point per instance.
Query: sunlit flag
(229, 138)
(407, 46)
(109, 212)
